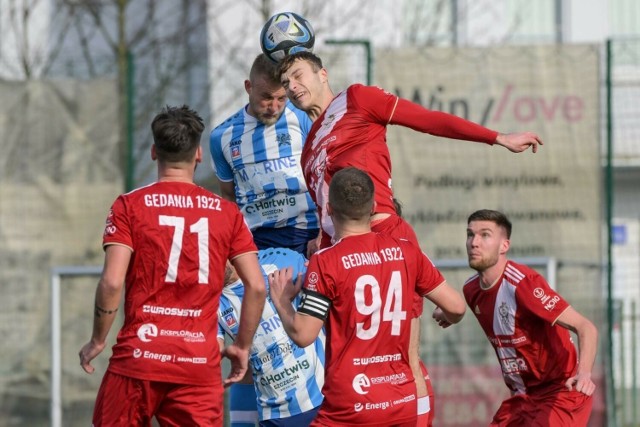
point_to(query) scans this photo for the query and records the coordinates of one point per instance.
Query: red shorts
(397, 227)
(558, 408)
(426, 419)
(125, 401)
(321, 422)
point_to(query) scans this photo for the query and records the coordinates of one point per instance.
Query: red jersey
(518, 315)
(369, 281)
(181, 236)
(352, 131)
(397, 227)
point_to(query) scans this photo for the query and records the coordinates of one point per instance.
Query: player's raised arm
(519, 142)
(302, 329)
(447, 125)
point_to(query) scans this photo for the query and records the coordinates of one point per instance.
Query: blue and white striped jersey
(264, 164)
(288, 379)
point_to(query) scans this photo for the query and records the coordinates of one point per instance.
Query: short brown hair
(351, 194)
(264, 67)
(176, 133)
(496, 217)
(304, 55)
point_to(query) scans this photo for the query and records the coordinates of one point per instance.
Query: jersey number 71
(201, 228)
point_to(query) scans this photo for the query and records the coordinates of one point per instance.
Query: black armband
(314, 304)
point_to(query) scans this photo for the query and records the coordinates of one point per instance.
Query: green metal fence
(622, 125)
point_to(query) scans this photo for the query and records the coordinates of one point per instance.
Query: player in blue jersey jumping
(256, 158)
(288, 379)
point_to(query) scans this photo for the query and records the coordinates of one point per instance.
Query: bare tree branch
(65, 27)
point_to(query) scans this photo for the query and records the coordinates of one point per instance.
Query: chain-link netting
(61, 171)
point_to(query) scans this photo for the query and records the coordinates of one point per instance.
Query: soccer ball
(286, 33)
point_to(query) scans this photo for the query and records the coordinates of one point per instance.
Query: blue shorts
(243, 410)
(285, 237)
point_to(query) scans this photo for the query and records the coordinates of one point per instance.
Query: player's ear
(329, 209)
(324, 75)
(199, 154)
(247, 86)
(373, 207)
(154, 155)
(504, 246)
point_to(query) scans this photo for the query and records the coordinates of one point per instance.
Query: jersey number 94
(387, 310)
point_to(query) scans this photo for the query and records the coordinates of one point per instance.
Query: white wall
(586, 20)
